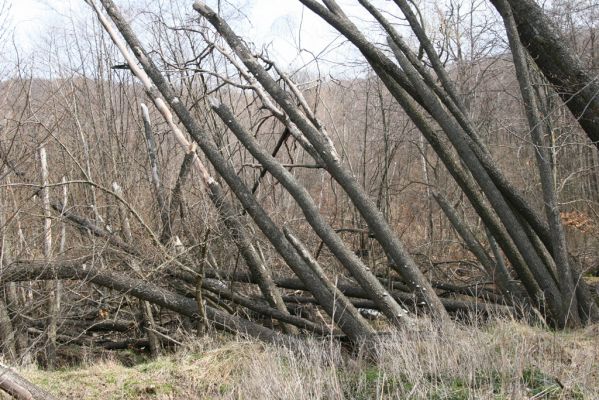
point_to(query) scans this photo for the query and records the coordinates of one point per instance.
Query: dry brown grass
(503, 360)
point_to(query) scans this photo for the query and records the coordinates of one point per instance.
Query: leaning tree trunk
(351, 323)
(155, 175)
(348, 259)
(558, 63)
(225, 210)
(20, 388)
(322, 144)
(411, 83)
(495, 270)
(535, 124)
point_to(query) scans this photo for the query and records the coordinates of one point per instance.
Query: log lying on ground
(258, 306)
(352, 290)
(255, 304)
(19, 387)
(454, 306)
(242, 242)
(142, 290)
(76, 338)
(477, 291)
(296, 284)
(83, 327)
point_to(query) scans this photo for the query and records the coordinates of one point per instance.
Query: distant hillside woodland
(162, 178)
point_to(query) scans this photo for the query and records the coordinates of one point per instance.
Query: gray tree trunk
(7, 333)
(144, 291)
(496, 271)
(348, 259)
(20, 388)
(558, 63)
(535, 124)
(367, 208)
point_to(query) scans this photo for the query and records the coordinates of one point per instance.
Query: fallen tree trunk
(19, 387)
(407, 299)
(81, 327)
(77, 339)
(257, 306)
(352, 290)
(296, 284)
(142, 290)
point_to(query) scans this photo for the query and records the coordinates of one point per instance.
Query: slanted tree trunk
(451, 99)
(495, 270)
(558, 63)
(223, 291)
(177, 195)
(350, 324)
(535, 124)
(226, 211)
(467, 150)
(323, 145)
(20, 388)
(341, 305)
(520, 231)
(348, 259)
(155, 175)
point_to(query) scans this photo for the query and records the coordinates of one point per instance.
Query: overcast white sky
(276, 23)
(31, 17)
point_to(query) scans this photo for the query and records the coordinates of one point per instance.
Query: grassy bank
(503, 360)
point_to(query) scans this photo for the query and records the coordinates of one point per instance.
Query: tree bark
(52, 288)
(535, 125)
(142, 290)
(466, 183)
(19, 387)
(341, 304)
(7, 334)
(177, 195)
(496, 271)
(225, 210)
(218, 288)
(155, 174)
(348, 259)
(474, 157)
(558, 63)
(323, 146)
(452, 100)
(350, 289)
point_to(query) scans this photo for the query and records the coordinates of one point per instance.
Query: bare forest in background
(162, 178)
